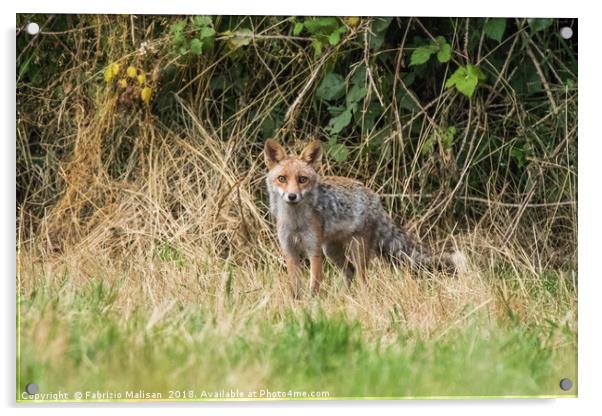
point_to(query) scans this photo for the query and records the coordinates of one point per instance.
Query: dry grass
(192, 217)
(227, 325)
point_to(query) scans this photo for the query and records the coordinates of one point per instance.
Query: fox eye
(302, 179)
(282, 179)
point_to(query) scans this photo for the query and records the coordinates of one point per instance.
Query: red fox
(334, 216)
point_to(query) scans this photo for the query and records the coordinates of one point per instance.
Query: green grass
(73, 338)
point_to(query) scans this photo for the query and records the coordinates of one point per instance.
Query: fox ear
(312, 154)
(274, 153)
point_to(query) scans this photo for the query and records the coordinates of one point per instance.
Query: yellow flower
(115, 68)
(131, 71)
(141, 78)
(108, 74)
(145, 95)
(122, 83)
(111, 71)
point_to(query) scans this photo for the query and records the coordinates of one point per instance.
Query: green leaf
(376, 40)
(201, 21)
(321, 25)
(444, 54)
(196, 47)
(406, 102)
(427, 146)
(206, 32)
(297, 29)
(439, 40)
(464, 81)
(316, 44)
(179, 26)
(408, 78)
(378, 138)
(331, 88)
(447, 138)
(422, 54)
(520, 154)
(271, 124)
(359, 77)
(352, 107)
(338, 123)
(442, 48)
(495, 28)
(378, 29)
(537, 25)
(335, 110)
(476, 71)
(467, 86)
(368, 120)
(339, 152)
(207, 37)
(334, 38)
(381, 24)
(177, 31)
(356, 93)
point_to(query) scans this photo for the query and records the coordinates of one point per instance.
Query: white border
(590, 143)
(508, 8)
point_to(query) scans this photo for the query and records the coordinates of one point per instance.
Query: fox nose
(292, 197)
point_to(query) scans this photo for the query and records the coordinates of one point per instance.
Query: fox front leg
(317, 274)
(293, 269)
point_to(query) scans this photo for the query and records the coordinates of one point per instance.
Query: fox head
(293, 176)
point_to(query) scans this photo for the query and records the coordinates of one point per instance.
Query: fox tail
(396, 245)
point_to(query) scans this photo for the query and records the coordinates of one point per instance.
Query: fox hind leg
(335, 251)
(359, 248)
